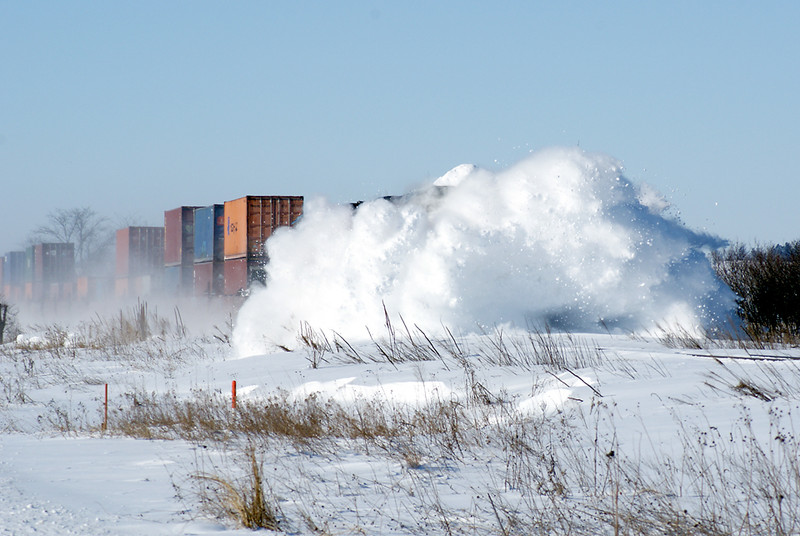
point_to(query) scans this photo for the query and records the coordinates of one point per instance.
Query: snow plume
(561, 238)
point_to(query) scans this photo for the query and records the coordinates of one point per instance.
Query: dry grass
(567, 473)
(246, 499)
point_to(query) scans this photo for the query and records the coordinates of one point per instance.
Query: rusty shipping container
(242, 274)
(209, 278)
(53, 263)
(140, 251)
(251, 220)
(209, 233)
(179, 236)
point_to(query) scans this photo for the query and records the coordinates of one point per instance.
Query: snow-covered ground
(618, 418)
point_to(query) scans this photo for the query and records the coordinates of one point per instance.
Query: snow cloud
(561, 238)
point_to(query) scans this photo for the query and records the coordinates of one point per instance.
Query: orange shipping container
(251, 220)
(82, 288)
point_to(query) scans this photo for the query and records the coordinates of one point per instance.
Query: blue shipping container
(14, 269)
(209, 233)
(178, 280)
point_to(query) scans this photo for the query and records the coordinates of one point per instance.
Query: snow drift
(561, 238)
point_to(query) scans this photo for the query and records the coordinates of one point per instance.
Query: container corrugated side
(242, 274)
(123, 248)
(209, 278)
(178, 280)
(179, 236)
(14, 268)
(140, 251)
(53, 263)
(30, 257)
(209, 233)
(251, 220)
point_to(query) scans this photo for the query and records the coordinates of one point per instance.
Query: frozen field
(510, 432)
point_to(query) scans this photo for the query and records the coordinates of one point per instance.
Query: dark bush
(8, 321)
(766, 281)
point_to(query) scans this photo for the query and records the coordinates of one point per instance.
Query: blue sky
(138, 107)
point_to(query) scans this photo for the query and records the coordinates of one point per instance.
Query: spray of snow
(561, 238)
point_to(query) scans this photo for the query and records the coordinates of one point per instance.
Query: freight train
(215, 250)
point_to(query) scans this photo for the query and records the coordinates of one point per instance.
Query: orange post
(233, 394)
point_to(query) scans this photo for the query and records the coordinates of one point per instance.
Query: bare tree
(85, 228)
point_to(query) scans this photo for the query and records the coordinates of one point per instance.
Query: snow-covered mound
(561, 238)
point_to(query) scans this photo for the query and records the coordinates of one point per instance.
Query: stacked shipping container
(53, 271)
(179, 250)
(249, 222)
(209, 250)
(42, 272)
(213, 250)
(14, 275)
(139, 262)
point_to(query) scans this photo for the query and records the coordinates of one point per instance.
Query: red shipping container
(242, 274)
(235, 276)
(209, 279)
(179, 236)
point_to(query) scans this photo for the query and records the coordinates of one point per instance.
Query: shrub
(8, 320)
(766, 281)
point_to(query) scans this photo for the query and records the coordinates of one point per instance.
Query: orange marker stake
(233, 394)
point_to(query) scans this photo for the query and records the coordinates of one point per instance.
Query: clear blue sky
(137, 107)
